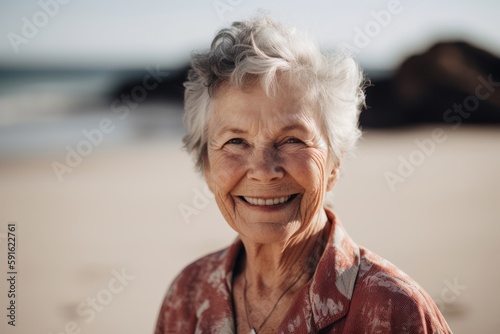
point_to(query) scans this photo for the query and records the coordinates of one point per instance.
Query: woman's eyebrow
(233, 130)
(238, 131)
(296, 126)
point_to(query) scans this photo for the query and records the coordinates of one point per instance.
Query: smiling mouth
(267, 201)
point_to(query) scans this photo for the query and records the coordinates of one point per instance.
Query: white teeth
(269, 201)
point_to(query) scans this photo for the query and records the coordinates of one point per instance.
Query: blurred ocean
(43, 111)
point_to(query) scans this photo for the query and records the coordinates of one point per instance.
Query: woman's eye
(235, 141)
(293, 141)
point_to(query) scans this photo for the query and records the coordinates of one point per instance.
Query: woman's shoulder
(190, 293)
(201, 270)
(383, 291)
(377, 272)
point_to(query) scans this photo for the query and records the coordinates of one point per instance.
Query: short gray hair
(264, 50)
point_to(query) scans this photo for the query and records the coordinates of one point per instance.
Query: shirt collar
(332, 284)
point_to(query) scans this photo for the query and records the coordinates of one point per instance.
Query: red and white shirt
(352, 291)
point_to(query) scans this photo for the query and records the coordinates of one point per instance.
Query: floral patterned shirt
(352, 291)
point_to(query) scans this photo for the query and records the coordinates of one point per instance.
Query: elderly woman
(269, 119)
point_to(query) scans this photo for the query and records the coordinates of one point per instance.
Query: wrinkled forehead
(296, 86)
(252, 107)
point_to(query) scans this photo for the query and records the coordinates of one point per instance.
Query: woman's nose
(265, 165)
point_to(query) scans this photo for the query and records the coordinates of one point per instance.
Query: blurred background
(108, 208)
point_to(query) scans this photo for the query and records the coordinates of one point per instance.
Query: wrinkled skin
(268, 147)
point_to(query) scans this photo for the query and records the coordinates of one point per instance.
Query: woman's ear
(333, 177)
(207, 173)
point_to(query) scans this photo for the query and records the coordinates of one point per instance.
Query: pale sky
(121, 33)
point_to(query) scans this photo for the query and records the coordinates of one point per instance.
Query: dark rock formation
(451, 82)
(169, 89)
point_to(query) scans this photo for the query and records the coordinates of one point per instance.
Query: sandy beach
(97, 251)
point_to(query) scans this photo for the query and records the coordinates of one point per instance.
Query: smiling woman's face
(268, 164)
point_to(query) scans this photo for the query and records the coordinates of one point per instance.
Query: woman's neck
(272, 268)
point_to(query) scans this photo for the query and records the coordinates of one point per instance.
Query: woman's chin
(269, 232)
